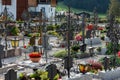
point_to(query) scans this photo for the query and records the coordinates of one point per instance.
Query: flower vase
(35, 59)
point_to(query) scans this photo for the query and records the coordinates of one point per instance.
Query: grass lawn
(62, 7)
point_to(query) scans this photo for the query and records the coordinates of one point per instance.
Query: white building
(11, 7)
(17, 7)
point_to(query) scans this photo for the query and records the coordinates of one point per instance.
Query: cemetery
(50, 45)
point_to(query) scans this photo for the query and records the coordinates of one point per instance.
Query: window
(38, 1)
(32, 3)
(43, 10)
(6, 2)
(51, 9)
(42, 0)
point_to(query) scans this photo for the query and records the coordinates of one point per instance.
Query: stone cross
(1, 51)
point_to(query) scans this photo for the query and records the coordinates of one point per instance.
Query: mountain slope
(88, 5)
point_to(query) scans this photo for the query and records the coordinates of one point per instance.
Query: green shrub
(110, 49)
(54, 33)
(75, 48)
(60, 54)
(117, 63)
(15, 31)
(51, 27)
(33, 34)
(99, 49)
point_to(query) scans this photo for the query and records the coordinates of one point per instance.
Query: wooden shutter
(42, 0)
(32, 3)
(53, 3)
(6, 2)
(22, 5)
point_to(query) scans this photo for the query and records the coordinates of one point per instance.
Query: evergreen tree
(114, 8)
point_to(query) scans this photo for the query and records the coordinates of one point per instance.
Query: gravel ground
(21, 58)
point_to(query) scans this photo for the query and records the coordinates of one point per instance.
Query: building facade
(17, 7)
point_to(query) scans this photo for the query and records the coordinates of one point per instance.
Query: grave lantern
(15, 42)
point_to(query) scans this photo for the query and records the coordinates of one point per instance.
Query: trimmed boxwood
(60, 54)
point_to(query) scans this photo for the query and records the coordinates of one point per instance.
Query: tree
(114, 8)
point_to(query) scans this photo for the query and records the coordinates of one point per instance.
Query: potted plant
(35, 56)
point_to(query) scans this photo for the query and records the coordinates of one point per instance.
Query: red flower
(90, 27)
(25, 46)
(35, 55)
(118, 53)
(100, 28)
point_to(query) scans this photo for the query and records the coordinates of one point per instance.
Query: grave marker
(11, 75)
(52, 71)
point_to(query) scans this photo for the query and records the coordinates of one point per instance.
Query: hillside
(87, 5)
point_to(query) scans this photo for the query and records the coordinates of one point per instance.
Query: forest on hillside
(89, 5)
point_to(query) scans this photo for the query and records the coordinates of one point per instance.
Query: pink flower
(118, 53)
(78, 37)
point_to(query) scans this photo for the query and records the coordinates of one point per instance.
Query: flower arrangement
(35, 55)
(95, 65)
(90, 27)
(78, 37)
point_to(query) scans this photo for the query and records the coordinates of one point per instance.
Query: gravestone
(11, 75)
(88, 34)
(52, 71)
(106, 63)
(1, 52)
(0, 40)
(83, 47)
(68, 61)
